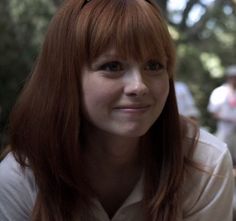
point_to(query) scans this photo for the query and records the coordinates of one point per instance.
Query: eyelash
(152, 63)
(117, 66)
(113, 66)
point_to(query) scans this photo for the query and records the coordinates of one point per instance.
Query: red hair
(45, 125)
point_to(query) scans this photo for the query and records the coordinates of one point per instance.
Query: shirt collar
(137, 193)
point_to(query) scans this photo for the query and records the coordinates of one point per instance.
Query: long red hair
(45, 125)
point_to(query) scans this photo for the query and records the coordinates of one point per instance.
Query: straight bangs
(135, 28)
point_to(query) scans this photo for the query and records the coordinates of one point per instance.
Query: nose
(135, 84)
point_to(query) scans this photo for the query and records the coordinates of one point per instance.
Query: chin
(132, 133)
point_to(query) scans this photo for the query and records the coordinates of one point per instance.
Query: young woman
(96, 134)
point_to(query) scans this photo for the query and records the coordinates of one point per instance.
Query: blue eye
(112, 66)
(153, 65)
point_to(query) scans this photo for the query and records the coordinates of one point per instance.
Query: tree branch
(188, 8)
(197, 28)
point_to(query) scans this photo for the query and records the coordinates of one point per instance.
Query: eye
(153, 65)
(112, 66)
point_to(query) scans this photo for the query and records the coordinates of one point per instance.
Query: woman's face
(123, 97)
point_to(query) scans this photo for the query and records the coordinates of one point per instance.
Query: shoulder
(221, 89)
(209, 191)
(210, 150)
(12, 173)
(218, 98)
(17, 190)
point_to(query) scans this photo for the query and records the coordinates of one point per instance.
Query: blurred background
(204, 32)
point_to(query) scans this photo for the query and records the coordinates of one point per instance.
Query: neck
(113, 151)
(113, 168)
(110, 151)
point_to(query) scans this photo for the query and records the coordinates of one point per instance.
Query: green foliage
(191, 70)
(202, 59)
(22, 26)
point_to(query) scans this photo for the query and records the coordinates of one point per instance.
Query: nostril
(139, 89)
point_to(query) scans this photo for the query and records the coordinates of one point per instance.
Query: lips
(133, 108)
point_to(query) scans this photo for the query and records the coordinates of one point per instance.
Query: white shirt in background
(185, 101)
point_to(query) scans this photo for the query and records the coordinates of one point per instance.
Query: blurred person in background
(222, 105)
(185, 101)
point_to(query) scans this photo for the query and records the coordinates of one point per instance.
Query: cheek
(97, 95)
(162, 90)
(95, 98)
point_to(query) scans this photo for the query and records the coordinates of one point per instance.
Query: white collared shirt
(205, 197)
